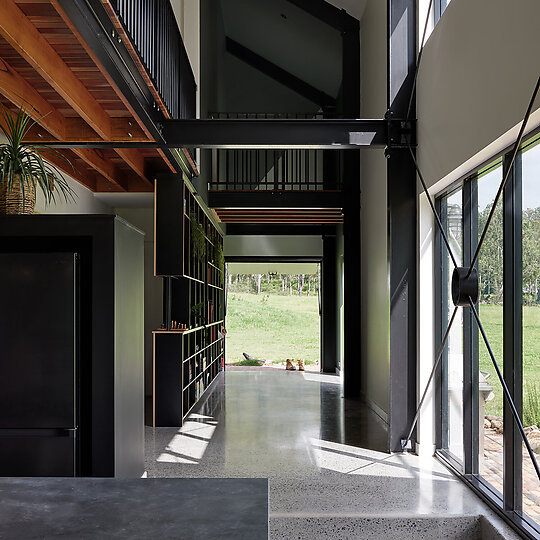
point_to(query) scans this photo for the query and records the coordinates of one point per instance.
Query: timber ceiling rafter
(279, 215)
(45, 68)
(21, 94)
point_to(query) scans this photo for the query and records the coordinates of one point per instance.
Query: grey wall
(289, 37)
(249, 90)
(143, 218)
(272, 246)
(478, 71)
(84, 202)
(375, 307)
(129, 350)
(212, 57)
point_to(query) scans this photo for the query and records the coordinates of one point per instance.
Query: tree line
(284, 284)
(490, 261)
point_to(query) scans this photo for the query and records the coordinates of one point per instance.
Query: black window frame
(439, 7)
(509, 503)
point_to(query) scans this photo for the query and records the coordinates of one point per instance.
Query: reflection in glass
(531, 323)
(454, 370)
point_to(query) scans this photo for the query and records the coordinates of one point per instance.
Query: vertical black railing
(152, 29)
(276, 169)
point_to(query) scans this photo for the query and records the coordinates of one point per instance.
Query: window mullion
(512, 332)
(470, 336)
(441, 316)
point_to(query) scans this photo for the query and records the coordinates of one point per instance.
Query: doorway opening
(273, 315)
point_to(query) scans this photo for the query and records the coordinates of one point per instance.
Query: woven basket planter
(13, 202)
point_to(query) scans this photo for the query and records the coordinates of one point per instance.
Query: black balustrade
(276, 169)
(152, 29)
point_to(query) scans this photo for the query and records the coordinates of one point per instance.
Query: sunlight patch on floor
(190, 443)
(342, 458)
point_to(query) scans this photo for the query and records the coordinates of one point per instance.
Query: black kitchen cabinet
(71, 346)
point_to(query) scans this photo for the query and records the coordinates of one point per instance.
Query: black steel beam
(279, 74)
(329, 14)
(276, 133)
(275, 199)
(402, 219)
(271, 133)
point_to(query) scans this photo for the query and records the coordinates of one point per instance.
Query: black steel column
(470, 337)
(351, 212)
(329, 306)
(402, 215)
(512, 332)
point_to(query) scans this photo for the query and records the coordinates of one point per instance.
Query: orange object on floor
(290, 365)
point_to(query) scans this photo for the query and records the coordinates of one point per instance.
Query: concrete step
(386, 528)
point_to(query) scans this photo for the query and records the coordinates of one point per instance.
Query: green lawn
(491, 317)
(275, 327)
(272, 327)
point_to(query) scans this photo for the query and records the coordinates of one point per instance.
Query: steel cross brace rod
(246, 133)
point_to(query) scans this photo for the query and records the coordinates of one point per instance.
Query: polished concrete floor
(324, 457)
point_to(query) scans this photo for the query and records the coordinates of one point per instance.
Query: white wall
(178, 9)
(478, 71)
(375, 306)
(187, 13)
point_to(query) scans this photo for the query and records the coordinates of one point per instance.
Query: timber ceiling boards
(45, 68)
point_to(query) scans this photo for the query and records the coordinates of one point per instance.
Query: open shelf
(186, 361)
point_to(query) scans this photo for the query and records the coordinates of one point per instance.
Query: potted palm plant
(23, 167)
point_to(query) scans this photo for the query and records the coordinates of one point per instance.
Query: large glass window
(478, 436)
(531, 322)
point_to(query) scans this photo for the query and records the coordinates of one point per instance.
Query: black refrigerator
(38, 364)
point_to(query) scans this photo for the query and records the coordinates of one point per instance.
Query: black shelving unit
(188, 350)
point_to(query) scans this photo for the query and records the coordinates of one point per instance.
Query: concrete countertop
(88, 508)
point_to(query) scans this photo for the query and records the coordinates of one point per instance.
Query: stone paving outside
(492, 471)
